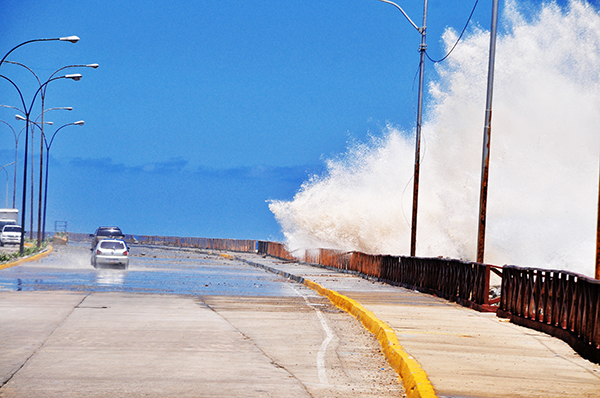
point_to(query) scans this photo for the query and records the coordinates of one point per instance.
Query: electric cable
(457, 40)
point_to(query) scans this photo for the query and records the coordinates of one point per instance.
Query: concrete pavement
(464, 353)
(115, 344)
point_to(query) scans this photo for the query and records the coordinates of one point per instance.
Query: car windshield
(109, 232)
(112, 245)
(12, 228)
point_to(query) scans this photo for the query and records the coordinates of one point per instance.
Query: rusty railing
(464, 282)
(560, 303)
(274, 249)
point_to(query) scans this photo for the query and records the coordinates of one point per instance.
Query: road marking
(322, 370)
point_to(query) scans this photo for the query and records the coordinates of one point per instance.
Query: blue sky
(202, 111)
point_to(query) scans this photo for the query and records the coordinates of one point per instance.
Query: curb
(27, 259)
(415, 380)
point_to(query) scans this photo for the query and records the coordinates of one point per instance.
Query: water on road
(151, 270)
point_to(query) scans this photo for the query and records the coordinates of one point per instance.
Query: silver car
(110, 253)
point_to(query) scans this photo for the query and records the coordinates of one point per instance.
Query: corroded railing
(455, 280)
(560, 303)
(274, 249)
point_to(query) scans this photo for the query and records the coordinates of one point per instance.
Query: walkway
(464, 353)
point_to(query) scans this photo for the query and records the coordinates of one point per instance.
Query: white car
(110, 253)
(11, 234)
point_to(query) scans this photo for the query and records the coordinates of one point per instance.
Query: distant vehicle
(106, 233)
(8, 217)
(11, 234)
(110, 253)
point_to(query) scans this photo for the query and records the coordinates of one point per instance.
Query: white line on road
(323, 349)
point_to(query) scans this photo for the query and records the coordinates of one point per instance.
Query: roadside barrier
(464, 282)
(563, 304)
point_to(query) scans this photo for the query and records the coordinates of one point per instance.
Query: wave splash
(544, 167)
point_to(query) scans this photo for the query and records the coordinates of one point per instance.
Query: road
(177, 323)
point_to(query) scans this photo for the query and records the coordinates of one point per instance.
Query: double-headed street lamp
(27, 110)
(48, 145)
(43, 99)
(422, 47)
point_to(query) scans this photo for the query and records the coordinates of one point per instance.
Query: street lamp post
(487, 135)
(75, 77)
(16, 136)
(4, 168)
(43, 99)
(422, 47)
(48, 145)
(72, 39)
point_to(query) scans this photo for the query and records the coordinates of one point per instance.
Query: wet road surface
(177, 323)
(151, 270)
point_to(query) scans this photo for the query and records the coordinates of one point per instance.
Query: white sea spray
(544, 169)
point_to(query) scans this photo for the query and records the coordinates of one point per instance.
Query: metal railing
(274, 249)
(464, 282)
(563, 304)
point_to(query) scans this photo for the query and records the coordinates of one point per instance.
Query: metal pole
(45, 195)
(23, 204)
(487, 133)
(32, 184)
(39, 236)
(422, 48)
(597, 274)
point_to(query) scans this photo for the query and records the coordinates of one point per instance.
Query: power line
(457, 40)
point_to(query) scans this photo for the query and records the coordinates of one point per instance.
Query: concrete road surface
(123, 344)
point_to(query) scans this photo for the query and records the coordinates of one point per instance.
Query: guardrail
(238, 245)
(464, 282)
(560, 303)
(274, 249)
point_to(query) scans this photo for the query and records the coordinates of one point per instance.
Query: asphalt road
(177, 323)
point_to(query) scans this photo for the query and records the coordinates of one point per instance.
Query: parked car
(11, 234)
(106, 233)
(109, 253)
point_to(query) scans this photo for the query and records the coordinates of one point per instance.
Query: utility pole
(487, 134)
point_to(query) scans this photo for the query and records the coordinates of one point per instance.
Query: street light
(48, 145)
(422, 47)
(487, 135)
(4, 168)
(43, 98)
(16, 136)
(27, 111)
(72, 39)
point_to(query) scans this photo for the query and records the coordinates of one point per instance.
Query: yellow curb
(26, 259)
(415, 380)
(225, 255)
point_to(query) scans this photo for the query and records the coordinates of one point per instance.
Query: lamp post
(16, 136)
(72, 39)
(43, 99)
(4, 168)
(422, 47)
(487, 135)
(48, 145)
(41, 127)
(75, 77)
